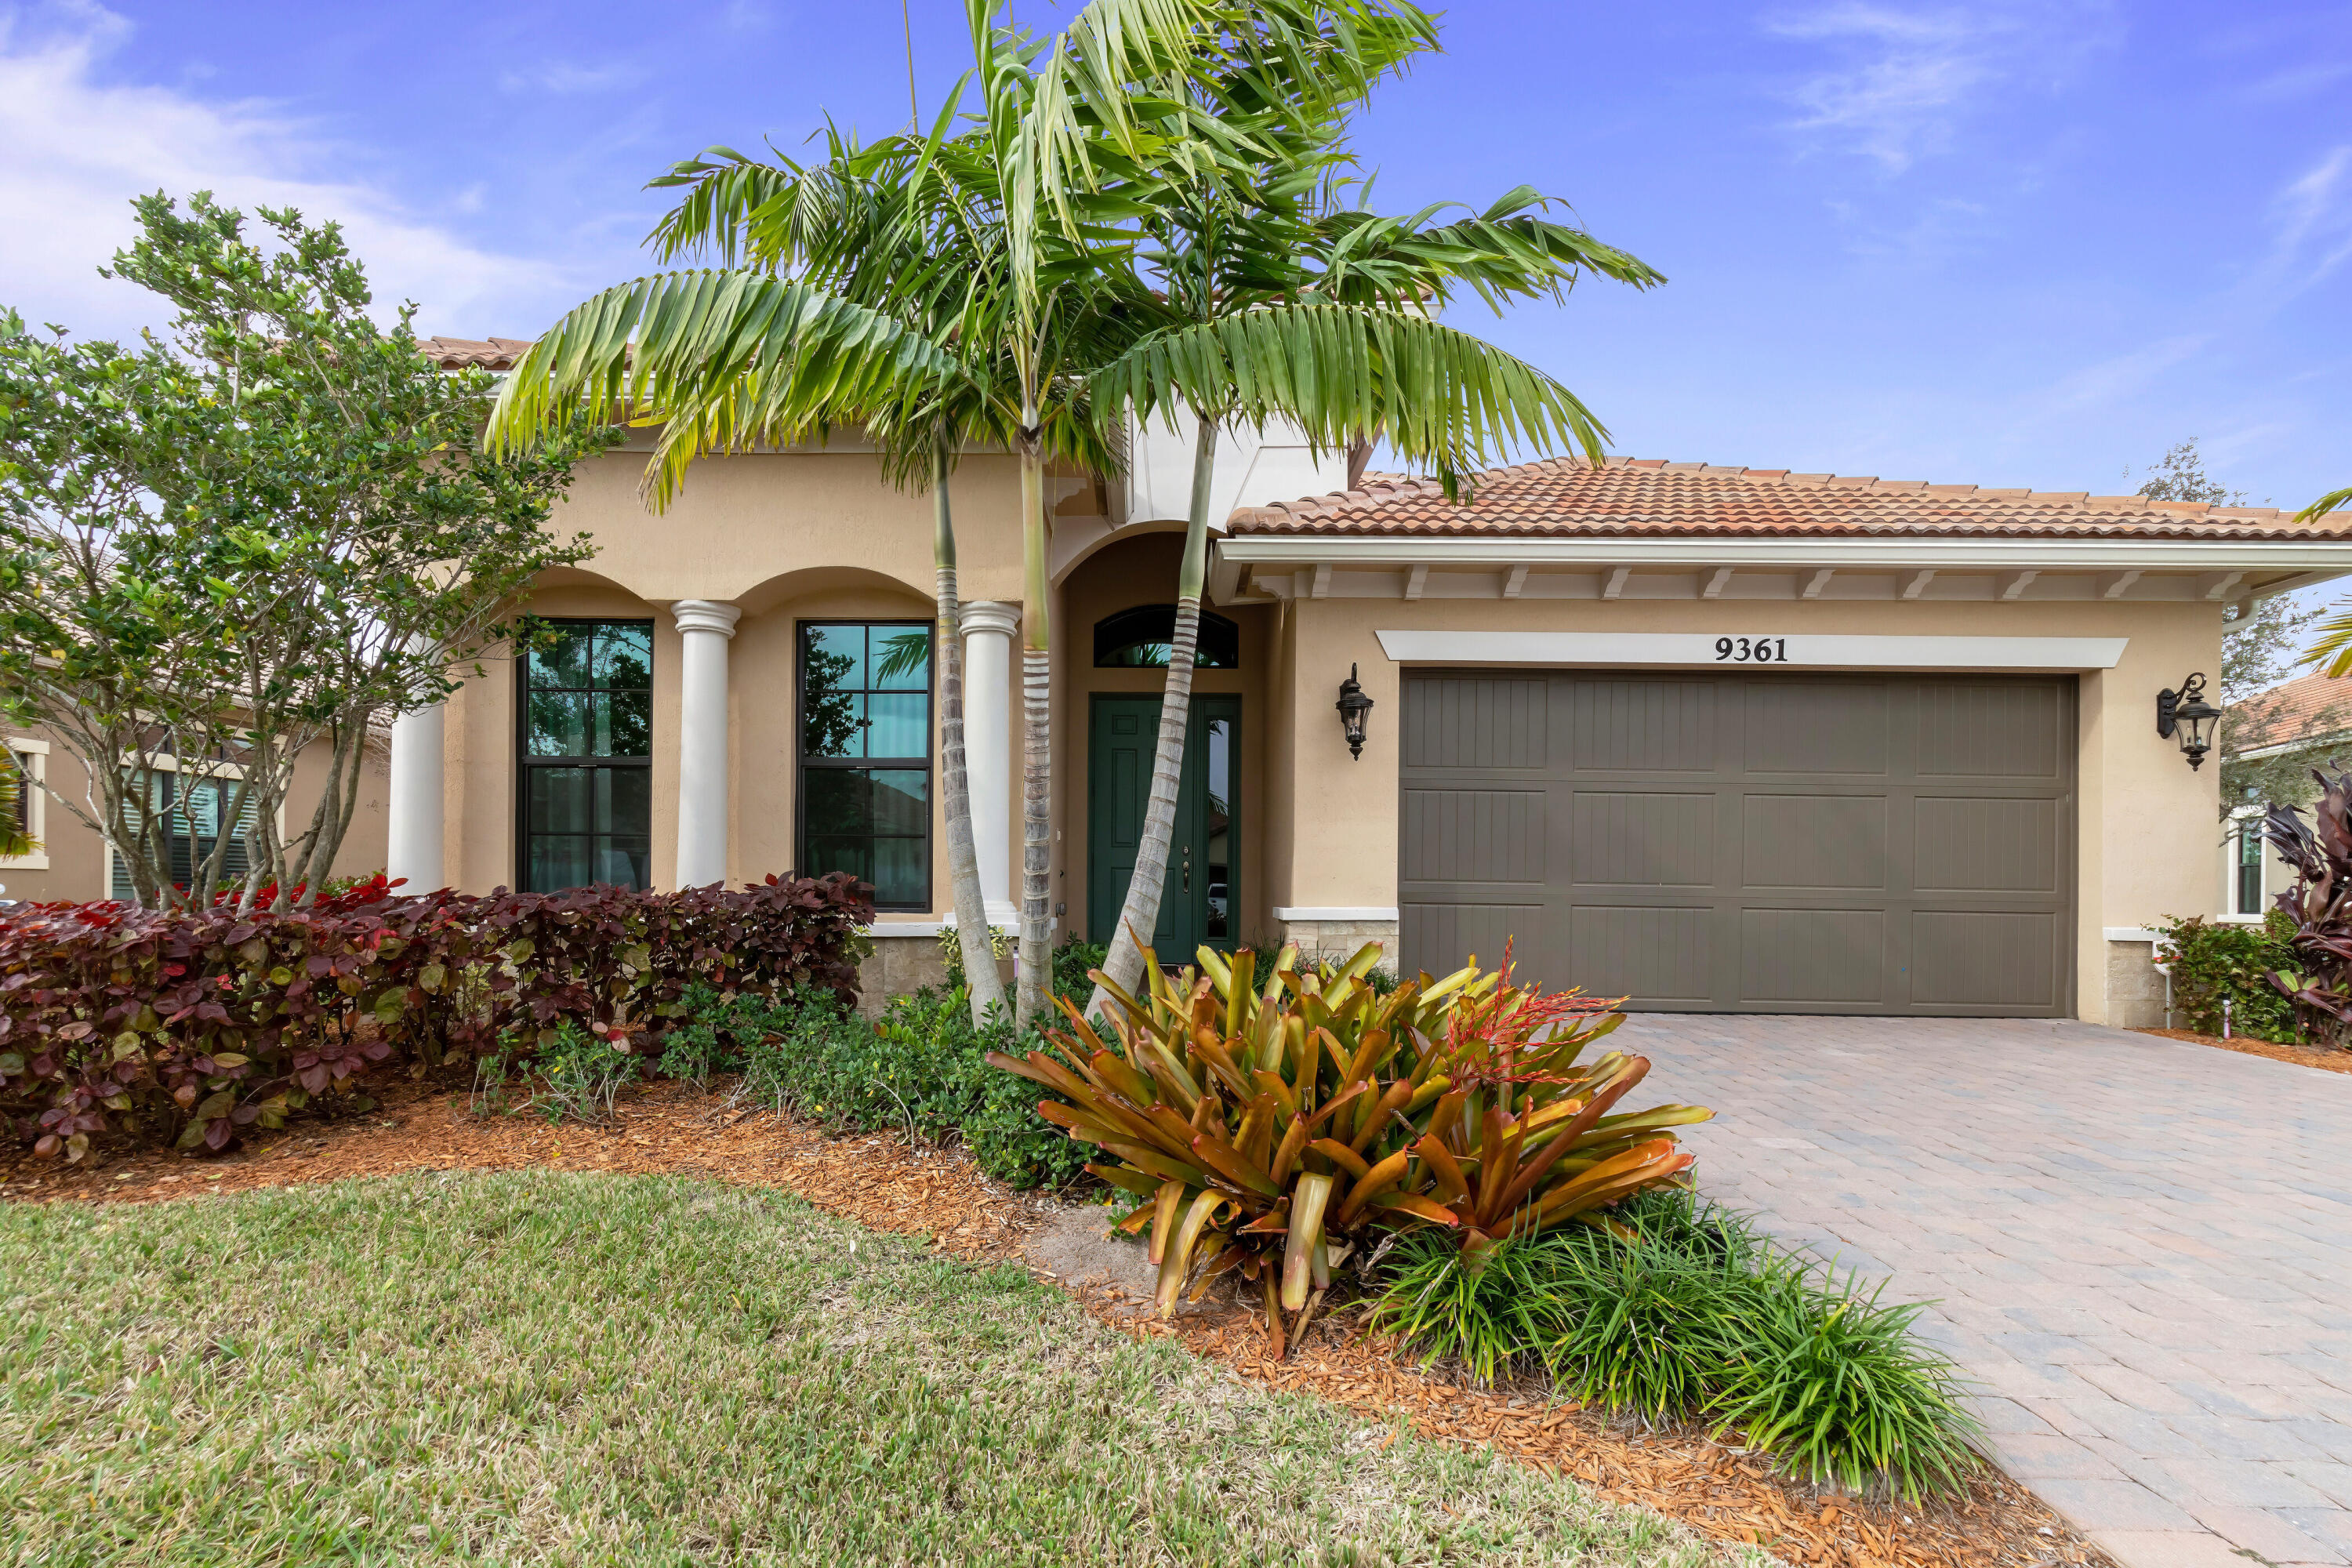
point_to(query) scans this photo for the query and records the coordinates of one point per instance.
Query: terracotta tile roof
(1652, 497)
(2315, 708)
(473, 353)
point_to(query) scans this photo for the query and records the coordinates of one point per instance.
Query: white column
(987, 631)
(704, 629)
(412, 837)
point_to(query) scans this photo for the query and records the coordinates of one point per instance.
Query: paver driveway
(2142, 1249)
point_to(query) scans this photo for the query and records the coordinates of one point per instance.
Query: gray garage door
(1746, 842)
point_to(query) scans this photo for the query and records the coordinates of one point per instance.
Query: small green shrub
(1683, 1311)
(1838, 1385)
(1071, 962)
(2217, 961)
(583, 1071)
(1494, 1320)
(920, 1068)
(1647, 1325)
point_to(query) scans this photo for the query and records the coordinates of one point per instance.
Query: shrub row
(1679, 1310)
(2217, 961)
(189, 1026)
(921, 1068)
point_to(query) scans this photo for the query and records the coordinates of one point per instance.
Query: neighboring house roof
(474, 353)
(1652, 497)
(2306, 711)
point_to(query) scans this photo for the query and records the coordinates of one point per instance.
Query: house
(71, 862)
(1715, 739)
(2308, 721)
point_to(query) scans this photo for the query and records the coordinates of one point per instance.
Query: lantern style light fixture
(1352, 706)
(2185, 715)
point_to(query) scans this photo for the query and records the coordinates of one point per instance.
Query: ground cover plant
(1681, 1312)
(194, 1027)
(559, 1368)
(1276, 1131)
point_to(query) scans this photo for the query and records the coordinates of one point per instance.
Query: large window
(866, 756)
(585, 755)
(2250, 867)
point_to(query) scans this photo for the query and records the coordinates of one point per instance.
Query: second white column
(987, 629)
(704, 629)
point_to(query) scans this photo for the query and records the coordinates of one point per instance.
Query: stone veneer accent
(1337, 939)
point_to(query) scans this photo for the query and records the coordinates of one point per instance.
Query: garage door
(1745, 842)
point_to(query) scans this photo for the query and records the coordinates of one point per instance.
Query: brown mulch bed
(2326, 1058)
(1723, 1491)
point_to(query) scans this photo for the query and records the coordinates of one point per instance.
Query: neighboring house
(2310, 720)
(74, 863)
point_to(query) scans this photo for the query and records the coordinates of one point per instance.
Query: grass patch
(544, 1367)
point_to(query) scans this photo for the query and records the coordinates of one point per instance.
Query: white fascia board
(1794, 650)
(2332, 740)
(1885, 555)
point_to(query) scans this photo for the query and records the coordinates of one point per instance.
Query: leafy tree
(2259, 651)
(268, 530)
(1274, 292)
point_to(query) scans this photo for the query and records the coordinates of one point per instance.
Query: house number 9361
(1751, 650)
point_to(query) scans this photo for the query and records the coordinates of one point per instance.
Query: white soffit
(1752, 647)
(1757, 553)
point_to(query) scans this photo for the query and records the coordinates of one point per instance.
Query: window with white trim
(30, 759)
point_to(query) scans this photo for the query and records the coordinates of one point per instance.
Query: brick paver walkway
(2142, 1249)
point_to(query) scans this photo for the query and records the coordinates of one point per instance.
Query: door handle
(1188, 868)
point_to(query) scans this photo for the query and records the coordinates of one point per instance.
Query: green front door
(1199, 903)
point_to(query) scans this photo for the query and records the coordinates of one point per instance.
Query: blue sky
(1977, 243)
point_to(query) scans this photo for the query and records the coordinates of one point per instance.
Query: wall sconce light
(2187, 716)
(1352, 706)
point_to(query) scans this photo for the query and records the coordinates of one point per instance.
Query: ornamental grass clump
(1275, 1129)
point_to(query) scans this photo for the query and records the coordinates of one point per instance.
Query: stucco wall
(73, 861)
(2145, 817)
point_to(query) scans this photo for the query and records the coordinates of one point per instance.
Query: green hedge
(2214, 962)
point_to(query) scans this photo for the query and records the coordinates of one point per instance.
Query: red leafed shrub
(192, 1025)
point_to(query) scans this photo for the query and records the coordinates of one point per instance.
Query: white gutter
(2255, 554)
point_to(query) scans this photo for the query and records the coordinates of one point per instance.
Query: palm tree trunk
(1138, 917)
(987, 990)
(1036, 960)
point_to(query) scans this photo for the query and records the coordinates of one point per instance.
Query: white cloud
(1897, 82)
(78, 148)
(562, 76)
(2112, 380)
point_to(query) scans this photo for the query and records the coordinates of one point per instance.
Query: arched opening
(1143, 638)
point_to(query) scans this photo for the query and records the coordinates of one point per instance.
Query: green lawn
(544, 1367)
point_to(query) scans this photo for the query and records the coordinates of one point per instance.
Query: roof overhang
(2287, 564)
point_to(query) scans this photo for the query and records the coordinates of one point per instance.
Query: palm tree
(1277, 299)
(990, 267)
(2333, 642)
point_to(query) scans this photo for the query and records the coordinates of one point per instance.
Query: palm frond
(2334, 500)
(1348, 372)
(729, 358)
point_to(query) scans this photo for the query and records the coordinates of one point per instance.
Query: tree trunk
(987, 989)
(1138, 917)
(1036, 962)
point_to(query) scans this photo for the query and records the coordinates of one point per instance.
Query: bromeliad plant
(1277, 1129)
(2319, 982)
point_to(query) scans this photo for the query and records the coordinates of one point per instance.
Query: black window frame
(929, 762)
(525, 763)
(1217, 646)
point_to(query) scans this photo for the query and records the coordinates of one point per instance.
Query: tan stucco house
(1716, 739)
